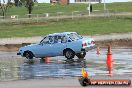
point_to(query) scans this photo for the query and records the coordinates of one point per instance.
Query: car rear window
(74, 36)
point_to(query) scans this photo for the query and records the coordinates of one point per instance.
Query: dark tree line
(4, 6)
(28, 4)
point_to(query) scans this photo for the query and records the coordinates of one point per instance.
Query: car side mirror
(69, 40)
(41, 44)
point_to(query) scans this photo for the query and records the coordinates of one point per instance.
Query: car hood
(28, 46)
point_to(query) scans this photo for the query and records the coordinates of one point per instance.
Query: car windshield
(45, 40)
(74, 36)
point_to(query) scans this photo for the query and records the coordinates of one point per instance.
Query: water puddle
(13, 67)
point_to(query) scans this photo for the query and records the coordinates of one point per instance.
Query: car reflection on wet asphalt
(15, 67)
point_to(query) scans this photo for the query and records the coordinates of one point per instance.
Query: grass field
(48, 8)
(84, 26)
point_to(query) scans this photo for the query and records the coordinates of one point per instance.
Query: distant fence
(60, 15)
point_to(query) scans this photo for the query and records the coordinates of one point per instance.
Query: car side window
(51, 39)
(55, 39)
(64, 39)
(60, 39)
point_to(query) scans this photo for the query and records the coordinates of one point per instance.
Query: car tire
(69, 54)
(28, 55)
(81, 55)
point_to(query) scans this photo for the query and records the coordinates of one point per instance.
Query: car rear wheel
(28, 55)
(69, 54)
(81, 55)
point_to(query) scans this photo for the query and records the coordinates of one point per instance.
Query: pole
(89, 7)
(104, 7)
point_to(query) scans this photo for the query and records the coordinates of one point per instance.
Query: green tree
(29, 6)
(27, 3)
(4, 6)
(18, 3)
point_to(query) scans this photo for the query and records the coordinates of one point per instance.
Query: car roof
(63, 33)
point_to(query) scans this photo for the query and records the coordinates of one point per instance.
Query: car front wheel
(28, 55)
(69, 54)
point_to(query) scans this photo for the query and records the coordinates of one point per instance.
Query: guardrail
(60, 15)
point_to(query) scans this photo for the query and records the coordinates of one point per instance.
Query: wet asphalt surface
(16, 67)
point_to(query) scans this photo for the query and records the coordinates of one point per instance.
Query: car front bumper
(18, 53)
(89, 48)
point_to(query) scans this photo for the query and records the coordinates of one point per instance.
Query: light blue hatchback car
(66, 44)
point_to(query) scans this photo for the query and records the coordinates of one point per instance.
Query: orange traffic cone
(109, 61)
(86, 75)
(47, 60)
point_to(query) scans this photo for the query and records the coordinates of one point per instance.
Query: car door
(59, 45)
(44, 48)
